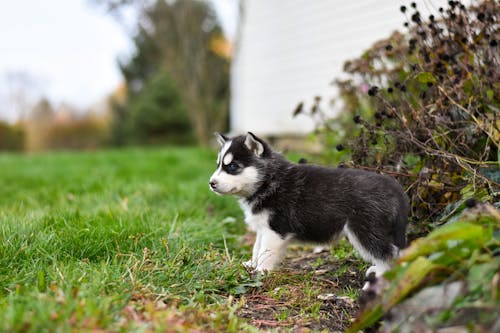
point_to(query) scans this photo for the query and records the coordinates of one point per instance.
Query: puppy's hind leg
(374, 249)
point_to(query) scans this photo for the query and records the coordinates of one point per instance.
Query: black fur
(314, 203)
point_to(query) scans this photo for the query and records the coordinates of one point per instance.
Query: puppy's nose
(213, 184)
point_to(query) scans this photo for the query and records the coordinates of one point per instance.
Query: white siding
(289, 51)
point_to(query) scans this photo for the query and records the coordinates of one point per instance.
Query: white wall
(289, 51)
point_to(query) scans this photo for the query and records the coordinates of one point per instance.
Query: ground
(313, 290)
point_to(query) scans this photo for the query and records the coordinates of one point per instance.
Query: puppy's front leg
(252, 264)
(271, 249)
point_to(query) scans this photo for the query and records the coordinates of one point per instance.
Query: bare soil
(311, 292)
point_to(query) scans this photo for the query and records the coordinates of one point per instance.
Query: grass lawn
(133, 240)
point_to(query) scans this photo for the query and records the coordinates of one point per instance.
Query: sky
(66, 50)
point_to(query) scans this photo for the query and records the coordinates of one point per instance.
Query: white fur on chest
(257, 221)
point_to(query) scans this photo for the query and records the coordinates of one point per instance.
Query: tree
(175, 37)
(158, 113)
(19, 91)
(12, 137)
(37, 123)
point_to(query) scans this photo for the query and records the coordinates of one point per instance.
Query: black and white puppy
(283, 201)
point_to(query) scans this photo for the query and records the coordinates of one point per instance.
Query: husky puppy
(283, 201)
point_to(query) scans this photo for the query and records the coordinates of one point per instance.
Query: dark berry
(373, 91)
(357, 119)
(388, 47)
(302, 160)
(390, 90)
(340, 147)
(444, 57)
(493, 43)
(402, 88)
(402, 9)
(416, 18)
(470, 203)
(480, 16)
(413, 5)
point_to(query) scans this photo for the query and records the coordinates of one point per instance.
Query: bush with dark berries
(427, 109)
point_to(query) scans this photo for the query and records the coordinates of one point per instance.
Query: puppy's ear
(221, 138)
(254, 144)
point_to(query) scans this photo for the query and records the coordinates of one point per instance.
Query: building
(287, 52)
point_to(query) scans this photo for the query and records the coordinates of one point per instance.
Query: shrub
(78, 133)
(154, 115)
(424, 107)
(158, 114)
(11, 137)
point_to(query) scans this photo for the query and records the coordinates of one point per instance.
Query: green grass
(117, 240)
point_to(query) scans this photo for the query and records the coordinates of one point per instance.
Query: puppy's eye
(232, 167)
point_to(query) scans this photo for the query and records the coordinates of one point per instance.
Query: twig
(458, 105)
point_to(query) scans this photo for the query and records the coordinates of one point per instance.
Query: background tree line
(176, 86)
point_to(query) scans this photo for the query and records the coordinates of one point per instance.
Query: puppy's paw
(264, 269)
(320, 249)
(248, 265)
(370, 270)
(370, 279)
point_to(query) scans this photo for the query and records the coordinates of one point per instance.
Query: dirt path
(311, 291)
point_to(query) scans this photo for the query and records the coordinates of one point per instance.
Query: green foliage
(11, 137)
(466, 251)
(157, 114)
(424, 108)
